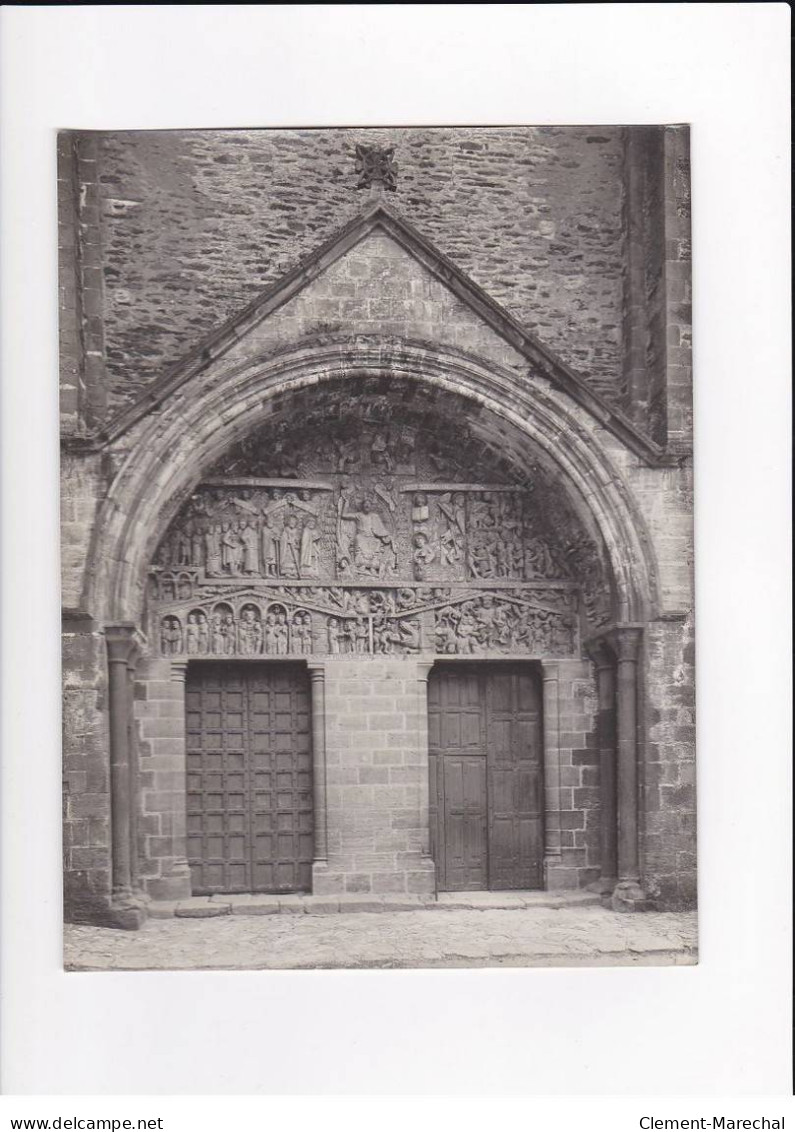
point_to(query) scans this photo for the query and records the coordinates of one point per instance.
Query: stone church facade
(376, 514)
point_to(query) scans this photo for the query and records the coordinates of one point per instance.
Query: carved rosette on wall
(362, 536)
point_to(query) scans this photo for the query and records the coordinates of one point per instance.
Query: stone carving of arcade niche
(366, 528)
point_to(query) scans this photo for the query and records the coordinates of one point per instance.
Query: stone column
(317, 675)
(126, 911)
(175, 883)
(552, 846)
(423, 671)
(132, 748)
(628, 895)
(604, 662)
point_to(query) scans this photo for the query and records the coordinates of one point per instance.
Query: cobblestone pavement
(575, 936)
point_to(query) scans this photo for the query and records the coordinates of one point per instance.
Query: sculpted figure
(196, 547)
(192, 635)
(538, 560)
(231, 550)
(361, 635)
(380, 456)
(203, 635)
(290, 548)
(281, 635)
(333, 632)
(467, 630)
(182, 548)
(481, 560)
(218, 637)
(423, 555)
(269, 633)
(504, 557)
(409, 634)
(250, 541)
(247, 632)
(268, 538)
(228, 629)
(302, 633)
(310, 547)
(212, 546)
(419, 510)
(348, 635)
(170, 637)
(371, 540)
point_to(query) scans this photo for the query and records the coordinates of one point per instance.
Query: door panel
(249, 762)
(485, 756)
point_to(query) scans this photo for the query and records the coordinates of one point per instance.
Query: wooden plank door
(513, 729)
(249, 778)
(486, 785)
(457, 750)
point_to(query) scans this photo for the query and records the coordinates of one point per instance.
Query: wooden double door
(249, 777)
(486, 776)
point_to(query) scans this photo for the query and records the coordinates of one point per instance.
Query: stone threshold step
(205, 907)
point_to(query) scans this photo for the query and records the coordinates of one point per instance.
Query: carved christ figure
(371, 538)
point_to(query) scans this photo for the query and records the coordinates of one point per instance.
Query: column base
(175, 885)
(127, 913)
(627, 896)
(604, 886)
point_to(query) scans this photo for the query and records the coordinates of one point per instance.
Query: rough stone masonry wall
(86, 774)
(193, 224)
(668, 770)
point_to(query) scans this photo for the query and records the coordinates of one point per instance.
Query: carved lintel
(258, 481)
(442, 487)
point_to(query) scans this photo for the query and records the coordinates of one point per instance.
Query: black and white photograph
(395, 567)
(377, 518)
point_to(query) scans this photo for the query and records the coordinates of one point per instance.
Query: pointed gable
(380, 277)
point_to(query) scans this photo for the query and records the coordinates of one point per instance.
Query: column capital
(124, 642)
(317, 671)
(600, 653)
(550, 670)
(625, 641)
(179, 671)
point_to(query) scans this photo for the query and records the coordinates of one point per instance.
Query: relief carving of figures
(310, 542)
(203, 633)
(423, 556)
(270, 565)
(192, 635)
(453, 507)
(419, 508)
(482, 560)
(250, 540)
(487, 624)
(364, 543)
(231, 550)
(170, 636)
(290, 548)
(212, 543)
(250, 631)
(302, 633)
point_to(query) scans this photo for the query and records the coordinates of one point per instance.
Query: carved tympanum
(356, 533)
